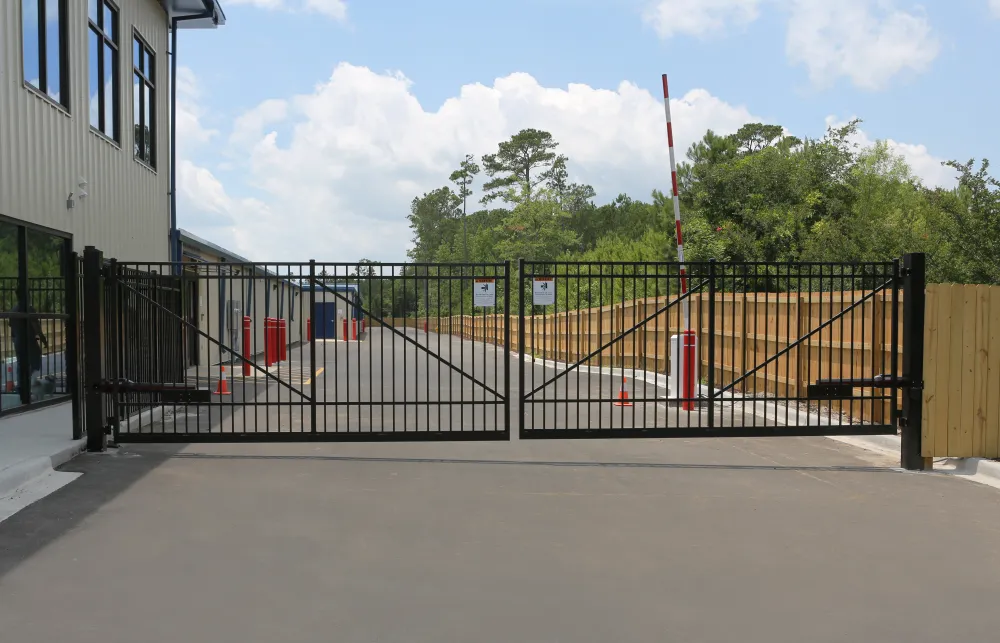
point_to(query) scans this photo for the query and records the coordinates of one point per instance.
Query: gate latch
(843, 389)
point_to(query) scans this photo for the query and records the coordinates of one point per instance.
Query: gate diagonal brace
(409, 339)
(787, 349)
(212, 340)
(574, 366)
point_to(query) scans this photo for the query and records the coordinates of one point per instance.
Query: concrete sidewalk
(32, 445)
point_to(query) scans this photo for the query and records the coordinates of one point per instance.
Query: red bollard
(283, 339)
(309, 330)
(247, 341)
(345, 329)
(268, 341)
(354, 329)
(274, 340)
(687, 377)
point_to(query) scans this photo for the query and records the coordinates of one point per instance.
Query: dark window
(104, 83)
(144, 101)
(43, 29)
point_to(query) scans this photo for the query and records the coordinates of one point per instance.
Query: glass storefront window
(33, 364)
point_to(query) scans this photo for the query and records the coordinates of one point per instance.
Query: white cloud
(199, 192)
(190, 132)
(336, 9)
(927, 167)
(249, 127)
(699, 17)
(356, 151)
(867, 41)
(330, 174)
(995, 7)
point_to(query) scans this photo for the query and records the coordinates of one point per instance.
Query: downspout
(175, 240)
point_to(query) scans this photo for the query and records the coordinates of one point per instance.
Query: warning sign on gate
(543, 291)
(484, 293)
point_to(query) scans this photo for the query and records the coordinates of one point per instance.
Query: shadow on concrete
(536, 463)
(106, 475)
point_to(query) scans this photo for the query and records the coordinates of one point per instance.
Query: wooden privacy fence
(961, 396)
(749, 328)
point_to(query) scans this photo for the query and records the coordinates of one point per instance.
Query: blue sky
(352, 147)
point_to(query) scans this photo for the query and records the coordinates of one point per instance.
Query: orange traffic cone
(623, 395)
(9, 388)
(223, 387)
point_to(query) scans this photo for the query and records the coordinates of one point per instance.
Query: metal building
(86, 148)
(217, 297)
(335, 304)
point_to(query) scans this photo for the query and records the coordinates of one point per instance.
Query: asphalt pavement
(772, 540)
(417, 382)
(760, 541)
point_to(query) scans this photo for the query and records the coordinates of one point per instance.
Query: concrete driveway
(780, 540)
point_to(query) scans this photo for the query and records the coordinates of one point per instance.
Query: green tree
(462, 178)
(512, 170)
(975, 214)
(432, 218)
(755, 137)
(535, 229)
(756, 195)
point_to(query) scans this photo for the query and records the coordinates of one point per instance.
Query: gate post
(911, 420)
(93, 348)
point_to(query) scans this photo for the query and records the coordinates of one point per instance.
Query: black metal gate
(367, 351)
(299, 351)
(773, 349)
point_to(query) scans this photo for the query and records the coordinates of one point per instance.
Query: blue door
(326, 320)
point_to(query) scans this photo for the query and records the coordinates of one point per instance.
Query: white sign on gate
(543, 291)
(484, 293)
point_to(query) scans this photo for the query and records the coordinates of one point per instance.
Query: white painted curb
(980, 470)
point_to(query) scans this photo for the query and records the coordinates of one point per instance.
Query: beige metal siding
(45, 151)
(211, 309)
